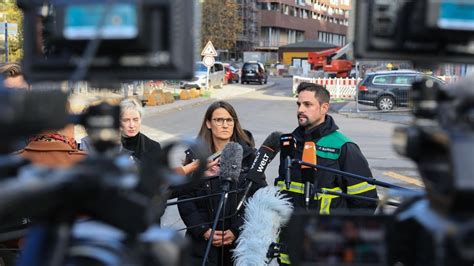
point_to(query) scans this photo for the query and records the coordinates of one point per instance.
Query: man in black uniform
(333, 150)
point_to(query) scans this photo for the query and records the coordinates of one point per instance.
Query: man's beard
(305, 123)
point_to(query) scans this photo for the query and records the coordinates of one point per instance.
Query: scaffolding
(251, 27)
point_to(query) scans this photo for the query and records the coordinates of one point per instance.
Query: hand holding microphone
(212, 162)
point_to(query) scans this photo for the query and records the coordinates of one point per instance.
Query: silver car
(216, 77)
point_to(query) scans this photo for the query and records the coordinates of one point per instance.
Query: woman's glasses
(220, 121)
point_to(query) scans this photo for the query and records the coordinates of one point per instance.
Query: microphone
(287, 145)
(263, 157)
(230, 164)
(308, 174)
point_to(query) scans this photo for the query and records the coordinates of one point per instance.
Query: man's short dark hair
(10, 70)
(320, 92)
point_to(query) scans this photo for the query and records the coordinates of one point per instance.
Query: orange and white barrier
(339, 88)
(449, 79)
(345, 88)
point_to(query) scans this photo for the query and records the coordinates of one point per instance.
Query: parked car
(216, 77)
(387, 89)
(253, 72)
(231, 74)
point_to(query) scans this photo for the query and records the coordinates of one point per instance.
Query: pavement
(80, 101)
(229, 91)
(400, 115)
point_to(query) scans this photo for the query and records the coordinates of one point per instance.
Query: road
(271, 109)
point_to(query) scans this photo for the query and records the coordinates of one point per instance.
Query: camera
(435, 227)
(107, 40)
(105, 210)
(424, 31)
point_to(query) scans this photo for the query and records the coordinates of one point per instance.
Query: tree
(220, 23)
(13, 15)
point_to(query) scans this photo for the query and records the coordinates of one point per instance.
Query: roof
(401, 71)
(313, 44)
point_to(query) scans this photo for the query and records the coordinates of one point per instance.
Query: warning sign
(209, 50)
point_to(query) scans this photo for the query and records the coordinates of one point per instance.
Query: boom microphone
(308, 173)
(287, 145)
(263, 157)
(230, 164)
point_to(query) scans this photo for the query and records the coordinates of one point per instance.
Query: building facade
(249, 13)
(285, 22)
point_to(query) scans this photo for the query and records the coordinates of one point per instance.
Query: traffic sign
(209, 50)
(208, 61)
(12, 28)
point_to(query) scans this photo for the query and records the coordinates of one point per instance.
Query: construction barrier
(449, 79)
(345, 88)
(339, 88)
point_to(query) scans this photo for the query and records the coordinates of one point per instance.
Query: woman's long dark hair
(238, 135)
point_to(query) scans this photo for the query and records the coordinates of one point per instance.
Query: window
(435, 80)
(200, 67)
(383, 80)
(250, 67)
(218, 67)
(404, 80)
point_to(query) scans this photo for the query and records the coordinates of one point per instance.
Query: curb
(219, 95)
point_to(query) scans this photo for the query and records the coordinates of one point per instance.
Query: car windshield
(200, 67)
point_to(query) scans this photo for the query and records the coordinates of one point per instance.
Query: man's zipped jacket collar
(327, 127)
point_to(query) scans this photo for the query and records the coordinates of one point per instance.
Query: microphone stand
(288, 165)
(201, 197)
(344, 195)
(368, 180)
(308, 189)
(222, 203)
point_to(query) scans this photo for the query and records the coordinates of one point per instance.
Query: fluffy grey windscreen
(231, 162)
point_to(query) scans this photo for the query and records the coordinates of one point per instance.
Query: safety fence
(345, 88)
(339, 88)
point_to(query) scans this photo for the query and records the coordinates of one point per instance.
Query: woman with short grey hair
(133, 141)
(131, 104)
(140, 146)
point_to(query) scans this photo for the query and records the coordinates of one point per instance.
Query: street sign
(12, 28)
(208, 61)
(209, 50)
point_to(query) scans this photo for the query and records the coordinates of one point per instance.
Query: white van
(216, 77)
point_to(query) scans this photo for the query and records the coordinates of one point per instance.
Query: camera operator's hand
(193, 166)
(213, 168)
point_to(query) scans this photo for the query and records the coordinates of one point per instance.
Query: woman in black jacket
(220, 126)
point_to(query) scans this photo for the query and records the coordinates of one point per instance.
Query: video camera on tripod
(435, 228)
(103, 42)
(107, 188)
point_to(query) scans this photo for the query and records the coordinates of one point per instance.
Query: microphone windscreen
(231, 162)
(273, 141)
(309, 153)
(287, 145)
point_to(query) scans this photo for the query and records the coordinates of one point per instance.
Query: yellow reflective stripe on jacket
(326, 199)
(325, 204)
(323, 195)
(284, 258)
(295, 187)
(359, 188)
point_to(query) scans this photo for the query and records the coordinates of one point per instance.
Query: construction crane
(332, 61)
